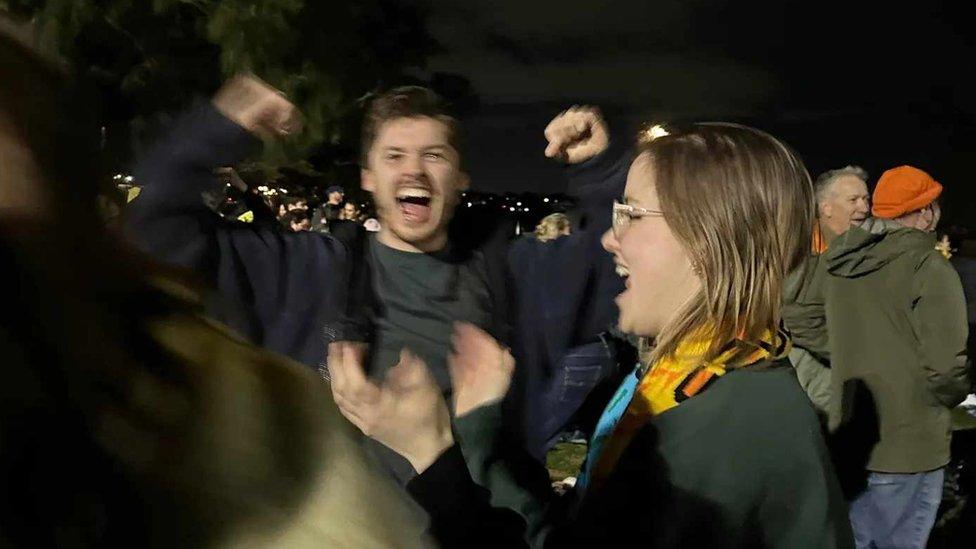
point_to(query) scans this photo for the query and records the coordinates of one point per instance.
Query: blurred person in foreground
(897, 327)
(713, 444)
(128, 418)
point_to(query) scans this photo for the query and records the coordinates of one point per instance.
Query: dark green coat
(743, 464)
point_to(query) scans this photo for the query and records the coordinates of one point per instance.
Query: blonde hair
(552, 227)
(741, 204)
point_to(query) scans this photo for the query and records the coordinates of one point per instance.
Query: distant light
(518, 203)
(129, 179)
(546, 199)
(511, 209)
(283, 191)
(526, 209)
(654, 132)
(469, 204)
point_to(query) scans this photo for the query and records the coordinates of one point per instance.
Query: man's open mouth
(414, 204)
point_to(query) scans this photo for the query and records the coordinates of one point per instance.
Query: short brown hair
(741, 203)
(407, 102)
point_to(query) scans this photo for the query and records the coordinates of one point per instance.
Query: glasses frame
(623, 214)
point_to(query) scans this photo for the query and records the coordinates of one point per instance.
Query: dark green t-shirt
(419, 298)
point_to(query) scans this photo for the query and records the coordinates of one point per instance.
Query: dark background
(873, 84)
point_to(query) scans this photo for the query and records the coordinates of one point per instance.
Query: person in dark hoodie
(406, 286)
(427, 268)
(896, 323)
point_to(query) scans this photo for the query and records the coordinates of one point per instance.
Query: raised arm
(169, 218)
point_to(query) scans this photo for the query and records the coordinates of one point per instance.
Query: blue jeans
(897, 510)
(575, 375)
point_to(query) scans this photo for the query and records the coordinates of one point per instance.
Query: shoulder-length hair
(741, 203)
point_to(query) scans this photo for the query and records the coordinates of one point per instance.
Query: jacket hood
(872, 245)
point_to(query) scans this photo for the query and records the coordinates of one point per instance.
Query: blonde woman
(552, 227)
(714, 443)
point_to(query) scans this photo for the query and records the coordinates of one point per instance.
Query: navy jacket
(281, 290)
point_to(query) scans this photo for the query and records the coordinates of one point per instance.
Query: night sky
(841, 82)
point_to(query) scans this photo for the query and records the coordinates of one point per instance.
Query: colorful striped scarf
(668, 383)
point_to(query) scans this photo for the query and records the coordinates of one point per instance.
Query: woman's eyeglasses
(623, 214)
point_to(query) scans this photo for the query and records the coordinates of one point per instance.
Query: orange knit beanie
(903, 190)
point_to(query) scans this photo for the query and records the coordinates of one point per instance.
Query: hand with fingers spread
(481, 369)
(406, 413)
(257, 107)
(577, 135)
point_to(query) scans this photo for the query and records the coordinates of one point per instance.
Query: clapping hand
(481, 369)
(406, 413)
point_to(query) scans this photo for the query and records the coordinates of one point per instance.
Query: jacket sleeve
(814, 378)
(596, 182)
(483, 492)
(460, 511)
(940, 315)
(803, 308)
(279, 289)
(169, 218)
(514, 479)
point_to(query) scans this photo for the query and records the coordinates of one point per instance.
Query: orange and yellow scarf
(669, 382)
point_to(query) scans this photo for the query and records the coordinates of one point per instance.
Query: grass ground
(564, 460)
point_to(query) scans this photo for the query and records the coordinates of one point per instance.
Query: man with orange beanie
(908, 196)
(897, 328)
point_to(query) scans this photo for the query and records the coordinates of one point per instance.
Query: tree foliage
(151, 58)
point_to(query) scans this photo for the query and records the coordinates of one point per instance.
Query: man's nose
(413, 165)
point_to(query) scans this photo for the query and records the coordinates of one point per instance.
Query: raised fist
(257, 107)
(577, 135)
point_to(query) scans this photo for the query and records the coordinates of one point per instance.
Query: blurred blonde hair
(552, 227)
(741, 203)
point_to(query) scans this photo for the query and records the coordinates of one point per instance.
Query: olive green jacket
(896, 323)
(804, 317)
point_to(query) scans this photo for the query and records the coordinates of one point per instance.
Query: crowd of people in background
(754, 358)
